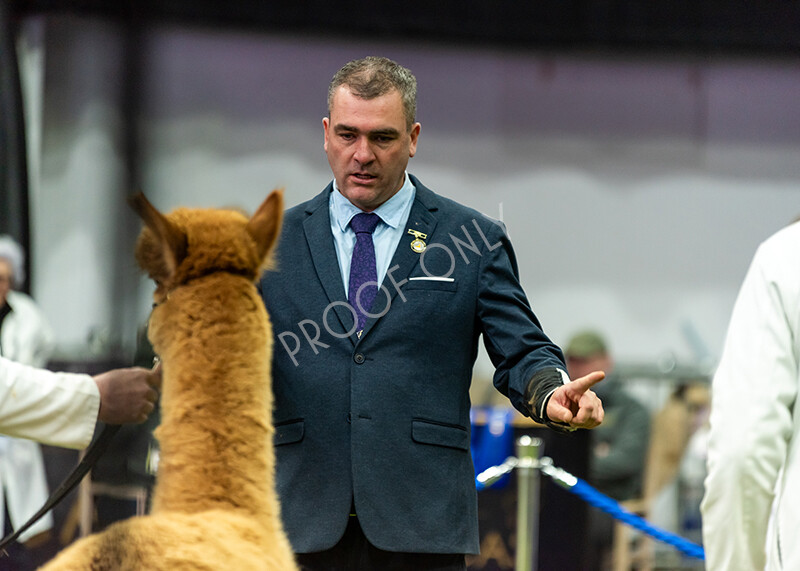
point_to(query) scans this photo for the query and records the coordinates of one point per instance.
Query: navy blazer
(383, 420)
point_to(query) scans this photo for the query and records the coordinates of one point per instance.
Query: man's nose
(363, 151)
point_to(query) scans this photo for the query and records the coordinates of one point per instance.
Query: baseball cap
(586, 344)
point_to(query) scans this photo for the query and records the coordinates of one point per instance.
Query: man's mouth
(363, 176)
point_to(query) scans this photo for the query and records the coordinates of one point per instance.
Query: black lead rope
(92, 454)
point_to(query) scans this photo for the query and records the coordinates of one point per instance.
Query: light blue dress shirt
(393, 214)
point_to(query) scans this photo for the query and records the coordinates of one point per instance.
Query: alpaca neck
(216, 429)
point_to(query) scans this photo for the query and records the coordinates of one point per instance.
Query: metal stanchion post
(528, 452)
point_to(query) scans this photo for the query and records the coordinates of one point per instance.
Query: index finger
(583, 384)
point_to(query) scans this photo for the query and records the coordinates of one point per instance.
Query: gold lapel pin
(418, 243)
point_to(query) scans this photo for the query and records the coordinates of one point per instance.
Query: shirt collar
(390, 212)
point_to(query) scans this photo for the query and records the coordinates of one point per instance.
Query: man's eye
(347, 136)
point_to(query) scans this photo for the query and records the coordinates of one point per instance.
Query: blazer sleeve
(525, 359)
(59, 409)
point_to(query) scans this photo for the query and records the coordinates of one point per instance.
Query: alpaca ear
(172, 240)
(265, 225)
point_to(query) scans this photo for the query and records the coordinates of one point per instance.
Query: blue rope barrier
(494, 474)
(586, 492)
(611, 507)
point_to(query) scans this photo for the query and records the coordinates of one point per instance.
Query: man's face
(368, 146)
(5, 279)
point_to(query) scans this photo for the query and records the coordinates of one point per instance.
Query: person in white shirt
(751, 507)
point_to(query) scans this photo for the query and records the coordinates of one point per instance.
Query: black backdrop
(700, 26)
(14, 219)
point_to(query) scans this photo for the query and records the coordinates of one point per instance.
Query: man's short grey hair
(371, 77)
(12, 252)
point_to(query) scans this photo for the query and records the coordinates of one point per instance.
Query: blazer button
(359, 358)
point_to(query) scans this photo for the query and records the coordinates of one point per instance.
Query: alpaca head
(191, 243)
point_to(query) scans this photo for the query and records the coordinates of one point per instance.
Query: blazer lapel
(317, 227)
(420, 219)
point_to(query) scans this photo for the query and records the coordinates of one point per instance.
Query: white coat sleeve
(753, 392)
(59, 409)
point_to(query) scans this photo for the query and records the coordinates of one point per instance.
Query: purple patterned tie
(362, 267)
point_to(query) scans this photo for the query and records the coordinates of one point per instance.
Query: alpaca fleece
(214, 505)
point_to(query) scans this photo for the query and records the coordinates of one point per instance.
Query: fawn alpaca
(214, 504)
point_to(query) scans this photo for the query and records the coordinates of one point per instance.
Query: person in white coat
(25, 337)
(49, 407)
(751, 506)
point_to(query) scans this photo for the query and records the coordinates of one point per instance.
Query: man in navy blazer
(372, 424)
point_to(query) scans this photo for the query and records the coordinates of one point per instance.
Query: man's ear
(326, 123)
(171, 240)
(265, 225)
